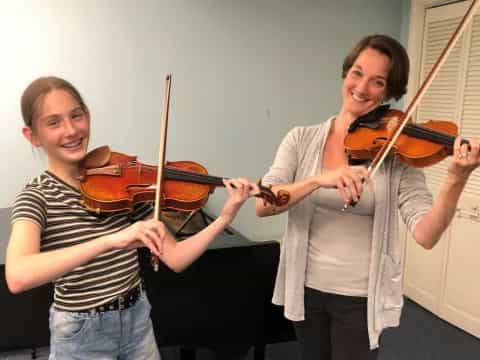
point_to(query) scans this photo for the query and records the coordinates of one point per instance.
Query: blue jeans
(121, 334)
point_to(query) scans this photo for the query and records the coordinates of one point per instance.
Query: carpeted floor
(421, 336)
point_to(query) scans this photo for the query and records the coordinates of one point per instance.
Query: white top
(340, 243)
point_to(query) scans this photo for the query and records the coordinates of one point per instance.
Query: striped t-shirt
(56, 207)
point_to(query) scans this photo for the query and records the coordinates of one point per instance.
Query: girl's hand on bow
(147, 233)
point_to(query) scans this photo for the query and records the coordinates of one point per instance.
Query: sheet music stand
(206, 219)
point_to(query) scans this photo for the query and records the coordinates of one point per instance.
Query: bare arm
(179, 255)
(26, 267)
(429, 229)
(349, 180)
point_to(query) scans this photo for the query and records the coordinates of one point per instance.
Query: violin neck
(424, 133)
(181, 175)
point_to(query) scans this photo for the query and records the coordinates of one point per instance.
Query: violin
(403, 127)
(418, 145)
(112, 181)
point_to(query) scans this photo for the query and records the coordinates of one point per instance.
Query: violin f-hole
(380, 141)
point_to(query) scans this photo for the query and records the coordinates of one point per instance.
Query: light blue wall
(405, 21)
(244, 73)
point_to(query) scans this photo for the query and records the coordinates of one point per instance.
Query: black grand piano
(221, 302)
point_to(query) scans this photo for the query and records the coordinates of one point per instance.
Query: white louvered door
(446, 280)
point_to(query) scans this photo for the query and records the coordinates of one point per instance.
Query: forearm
(27, 271)
(185, 252)
(430, 228)
(297, 191)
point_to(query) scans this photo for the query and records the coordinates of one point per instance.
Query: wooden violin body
(390, 142)
(419, 145)
(113, 181)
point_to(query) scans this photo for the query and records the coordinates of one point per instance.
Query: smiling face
(61, 127)
(365, 84)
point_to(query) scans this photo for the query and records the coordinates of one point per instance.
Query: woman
(339, 276)
(100, 309)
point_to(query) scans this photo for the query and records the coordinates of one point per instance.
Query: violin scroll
(280, 199)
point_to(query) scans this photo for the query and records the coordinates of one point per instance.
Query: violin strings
(428, 134)
(424, 133)
(181, 175)
(445, 138)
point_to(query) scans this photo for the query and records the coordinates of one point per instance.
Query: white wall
(244, 73)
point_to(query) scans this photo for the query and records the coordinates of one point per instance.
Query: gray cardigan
(395, 186)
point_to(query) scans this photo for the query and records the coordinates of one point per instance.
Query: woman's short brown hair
(38, 89)
(400, 65)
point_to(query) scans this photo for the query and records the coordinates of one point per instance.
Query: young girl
(100, 309)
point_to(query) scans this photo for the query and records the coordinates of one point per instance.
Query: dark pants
(335, 328)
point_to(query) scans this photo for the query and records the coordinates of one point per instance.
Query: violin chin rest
(97, 157)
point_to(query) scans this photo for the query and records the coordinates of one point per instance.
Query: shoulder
(305, 134)
(30, 204)
(35, 188)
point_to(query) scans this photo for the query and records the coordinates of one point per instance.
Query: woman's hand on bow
(466, 158)
(349, 180)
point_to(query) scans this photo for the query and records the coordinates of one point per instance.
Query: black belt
(124, 301)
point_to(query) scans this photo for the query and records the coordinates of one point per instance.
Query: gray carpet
(421, 336)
